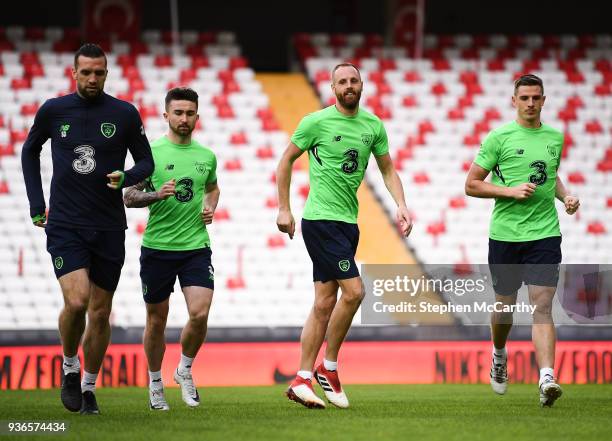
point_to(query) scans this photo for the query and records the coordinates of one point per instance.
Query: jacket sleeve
(30, 160)
(140, 150)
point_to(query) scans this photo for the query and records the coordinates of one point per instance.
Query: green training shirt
(518, 155)
(175, 224)
(339, 148)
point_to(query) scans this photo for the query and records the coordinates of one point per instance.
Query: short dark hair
(528, 80)
(182, 93)
(89, 50)
(338, 66)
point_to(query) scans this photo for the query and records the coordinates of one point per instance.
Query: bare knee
(543, 309)
(99, 315)
(353, 296)
(156, 320)
(323, 308)
(199, 319)
(76, 305)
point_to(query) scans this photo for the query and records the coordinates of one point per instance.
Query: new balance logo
(169, 166)
(156, 381)
(338, 138)
(520, 151)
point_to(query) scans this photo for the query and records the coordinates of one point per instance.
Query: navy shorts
(159, 270)
(332, 246)
(102, 252)
(535, 262)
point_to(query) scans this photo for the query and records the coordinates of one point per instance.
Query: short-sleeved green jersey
(339, 148)
(518, 155)
(175, 224)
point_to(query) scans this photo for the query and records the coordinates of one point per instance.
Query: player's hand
(523, 191)
(286, 223)
(572, 203)
(167, 190)
(40, 220)
(404, 221)
(115, 179)
(207, 215)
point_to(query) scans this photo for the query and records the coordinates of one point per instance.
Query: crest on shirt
(551, 150)
(64, 130)
(108, 129)
(366, 138)
(200, 167)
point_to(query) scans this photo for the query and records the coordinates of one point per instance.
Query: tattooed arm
(135, 197)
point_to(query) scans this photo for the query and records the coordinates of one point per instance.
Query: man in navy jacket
(90, 134)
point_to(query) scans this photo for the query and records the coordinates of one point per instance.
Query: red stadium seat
(238, 62)
(19, 136)
(455, 114)
(409, 101)
(266, 152)
(603, 89)
(29, 109)
(457, 202)
(421, 178)
(322, 75)
(496, 65)
(221, 214)
(412, 76)
(276, 241)
(270, 125)
(198, 61)
(21, 83)
(220, 100)
(141, 227)
(492, 114)
(593, 127)
(238, 138)
(236, 282)
(225, 112)
(7, 150)
(576, 178)
(438, 89)
(272, 202)
(304, 190)
(596, 227)
(163, 61)
(188, 75)
(233, 165)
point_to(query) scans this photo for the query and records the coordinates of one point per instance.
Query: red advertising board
(250, 364)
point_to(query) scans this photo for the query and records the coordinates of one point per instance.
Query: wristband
(121, 179)
(39, 218)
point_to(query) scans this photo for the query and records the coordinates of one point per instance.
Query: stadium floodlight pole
(174, 23)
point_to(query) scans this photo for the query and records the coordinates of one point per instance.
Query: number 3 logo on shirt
(351, 164)
(540, 176)
(85, 163)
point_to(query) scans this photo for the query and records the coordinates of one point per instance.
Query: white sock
(155, 380)
(306, 375)
(71, 364)
(185, 365)
(499, 355)
(88, 382)
(330, 365)
(547, 371)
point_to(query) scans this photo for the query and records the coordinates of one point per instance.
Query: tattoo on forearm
(135, 197)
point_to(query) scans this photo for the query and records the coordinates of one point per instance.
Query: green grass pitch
(419, 412)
